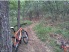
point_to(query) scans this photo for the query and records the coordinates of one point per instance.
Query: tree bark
(5, 30)
(37, 10)
(30, 15)
(18, 18)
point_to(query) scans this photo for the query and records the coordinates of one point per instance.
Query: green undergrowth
(21, 22)
(56, 47)
(64, 25)
(43, 30)
(12, 24)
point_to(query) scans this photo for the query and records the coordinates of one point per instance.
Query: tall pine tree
(6, 45)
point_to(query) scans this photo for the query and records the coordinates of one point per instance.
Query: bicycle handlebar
(20, 24)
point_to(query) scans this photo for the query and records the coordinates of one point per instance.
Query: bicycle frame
(18, 36)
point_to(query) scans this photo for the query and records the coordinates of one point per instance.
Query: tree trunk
(30, 15)
(0, 34)
(18, 18)
(37, 10)
(4, 27)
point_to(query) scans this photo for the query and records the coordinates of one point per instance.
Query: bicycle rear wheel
(25, 37)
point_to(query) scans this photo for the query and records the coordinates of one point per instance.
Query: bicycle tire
(16, 48)
(25, 37)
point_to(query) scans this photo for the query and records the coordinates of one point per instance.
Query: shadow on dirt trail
(34, 45)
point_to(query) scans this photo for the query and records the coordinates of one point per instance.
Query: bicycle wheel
(25, 37)
(15, 47)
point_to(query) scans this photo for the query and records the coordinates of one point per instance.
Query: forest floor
(34, 44)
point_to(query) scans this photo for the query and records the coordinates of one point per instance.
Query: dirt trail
(34, 45)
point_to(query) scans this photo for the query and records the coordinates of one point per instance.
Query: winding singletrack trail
(34, 45)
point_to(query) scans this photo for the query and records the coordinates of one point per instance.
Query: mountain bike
(18, 37)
